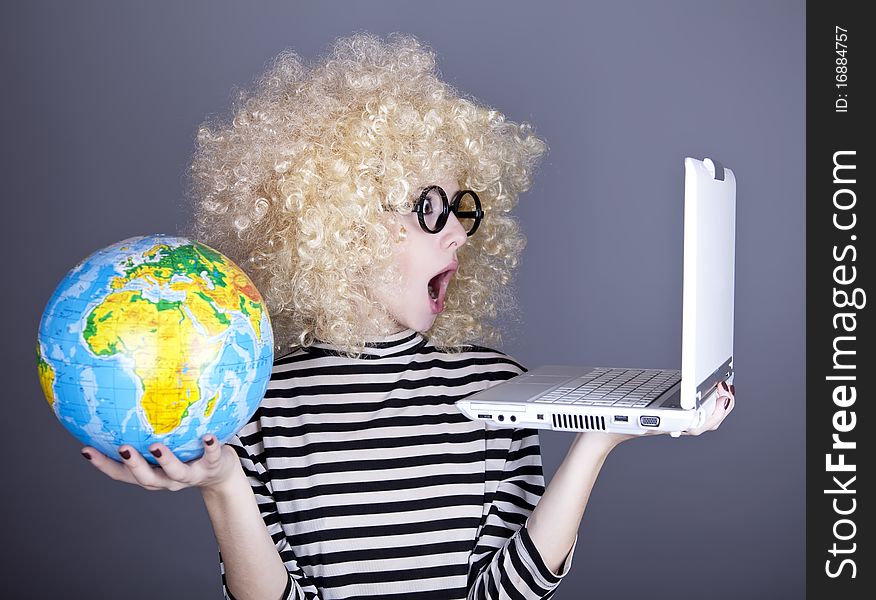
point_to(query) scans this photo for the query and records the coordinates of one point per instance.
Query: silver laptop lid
(709, 265)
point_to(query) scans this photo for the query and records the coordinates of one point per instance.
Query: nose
(453, 232)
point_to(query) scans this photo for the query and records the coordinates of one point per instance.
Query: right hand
(215, 467)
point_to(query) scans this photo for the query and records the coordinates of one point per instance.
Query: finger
(729, 405)
(723, 394)
(173, 468)
(730, 398)
(109, 467)
(144, 474)
(212, 451)
(726, 402)
(719, 411)
(181, 475)
(209, 466)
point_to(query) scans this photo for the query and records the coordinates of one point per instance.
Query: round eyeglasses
(433, 209)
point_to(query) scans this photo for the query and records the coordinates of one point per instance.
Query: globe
(154, 339)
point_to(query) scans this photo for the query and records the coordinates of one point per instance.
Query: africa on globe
(155, 339)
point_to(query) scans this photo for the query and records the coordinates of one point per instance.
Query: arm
(505, 562)
(251, 564)
(554, 523)
(256, 558)
(257, 562)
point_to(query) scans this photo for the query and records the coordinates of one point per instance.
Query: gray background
(100, 105)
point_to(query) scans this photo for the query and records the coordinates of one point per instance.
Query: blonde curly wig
(296, 184)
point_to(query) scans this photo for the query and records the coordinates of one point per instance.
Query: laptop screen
(709, 263)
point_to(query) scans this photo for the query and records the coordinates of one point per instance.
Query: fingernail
(126, 454)
(86, 455)
(156, 453)
(209, 441)
(726, 403)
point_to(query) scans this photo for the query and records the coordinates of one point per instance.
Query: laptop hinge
(722, 373)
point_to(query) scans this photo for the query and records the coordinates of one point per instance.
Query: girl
(370, 202)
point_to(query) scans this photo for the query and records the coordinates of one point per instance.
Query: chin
(422, 324)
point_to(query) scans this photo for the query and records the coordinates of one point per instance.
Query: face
(427, 262)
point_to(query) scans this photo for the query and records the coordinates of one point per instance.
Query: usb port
(484, 416)
(621, 419)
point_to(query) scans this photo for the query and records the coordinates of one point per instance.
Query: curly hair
(296, 183)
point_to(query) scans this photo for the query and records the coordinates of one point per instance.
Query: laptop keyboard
(614, 387)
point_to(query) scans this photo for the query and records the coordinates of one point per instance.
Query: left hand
(724, 404)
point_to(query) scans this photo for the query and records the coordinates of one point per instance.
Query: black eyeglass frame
(447, 208)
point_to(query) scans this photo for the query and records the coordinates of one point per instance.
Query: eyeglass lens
(465, 208)
(434, 209)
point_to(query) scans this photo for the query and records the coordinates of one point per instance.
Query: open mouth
(437, 287)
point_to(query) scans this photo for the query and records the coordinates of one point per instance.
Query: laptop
(638, 401)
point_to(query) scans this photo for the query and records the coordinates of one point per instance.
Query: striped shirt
(372, 484)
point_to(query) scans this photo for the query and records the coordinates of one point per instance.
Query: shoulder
(477, 355)
(472, 367)
(497, 357)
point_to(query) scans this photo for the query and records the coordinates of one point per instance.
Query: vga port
(649, 421)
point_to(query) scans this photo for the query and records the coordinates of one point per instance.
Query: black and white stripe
(373, 485)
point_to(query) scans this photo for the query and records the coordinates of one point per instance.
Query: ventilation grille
(578, 422)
